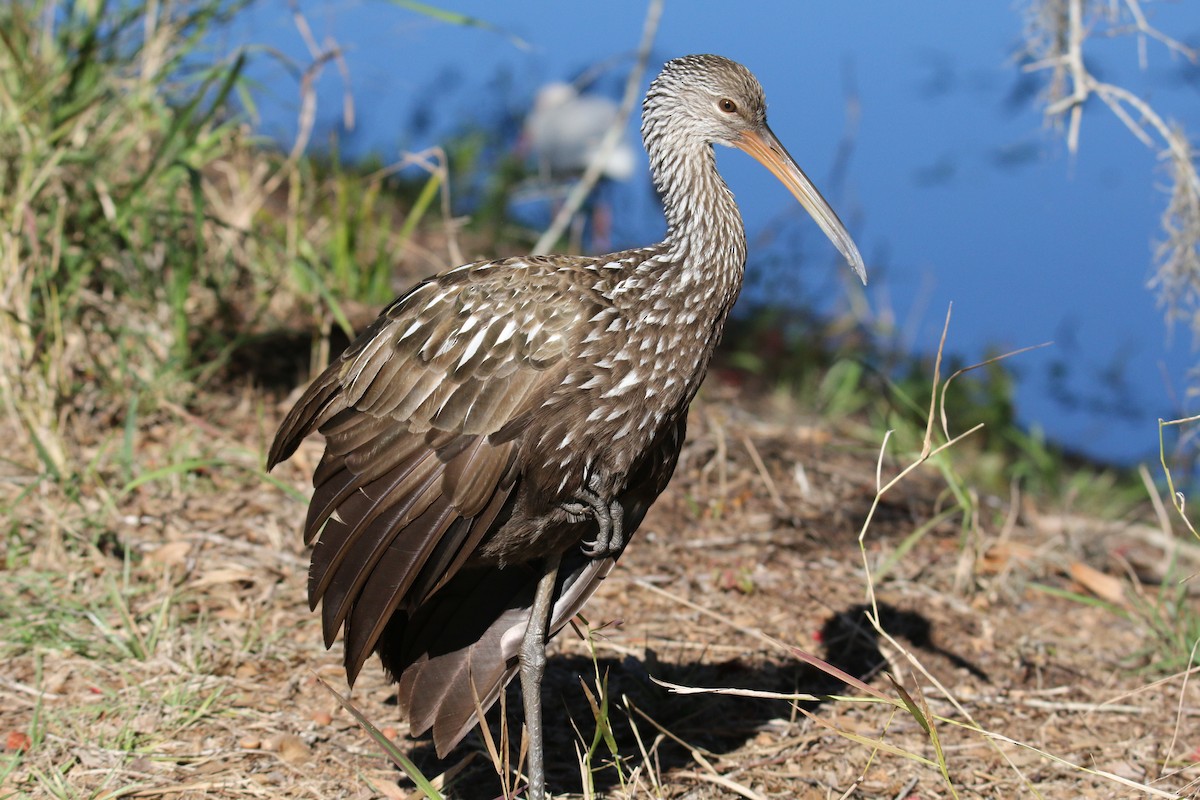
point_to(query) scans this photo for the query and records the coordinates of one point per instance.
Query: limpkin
(495, 437)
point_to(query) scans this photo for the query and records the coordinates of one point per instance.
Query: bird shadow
(672, 727)
(276, 359)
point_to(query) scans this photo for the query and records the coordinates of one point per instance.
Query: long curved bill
(767, 150)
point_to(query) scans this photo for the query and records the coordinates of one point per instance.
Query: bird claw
(610, 536)
(603, 546)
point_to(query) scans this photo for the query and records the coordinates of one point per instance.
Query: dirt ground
(177, 658)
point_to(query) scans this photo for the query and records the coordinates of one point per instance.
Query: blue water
(955, 189)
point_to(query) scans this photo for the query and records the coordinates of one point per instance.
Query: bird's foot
(610, 536)
(576, 512)
(610, 523)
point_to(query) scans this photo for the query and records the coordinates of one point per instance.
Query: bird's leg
(610, 522)
(533, 665)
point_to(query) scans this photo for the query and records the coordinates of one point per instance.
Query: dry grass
(158, 643)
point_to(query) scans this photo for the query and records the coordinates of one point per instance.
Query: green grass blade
(466, 21)
(178, 468)
(921, 714)
(386, 744)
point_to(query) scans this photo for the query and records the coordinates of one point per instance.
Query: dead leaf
(1104, 586)
(291, 748)
(391, 790)
(223, 575)
(1001, 556)
(246, 670)
(170, 554)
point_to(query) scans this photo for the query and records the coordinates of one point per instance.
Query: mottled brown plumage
(508, 414)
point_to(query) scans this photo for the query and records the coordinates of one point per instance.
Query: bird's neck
(705, 245)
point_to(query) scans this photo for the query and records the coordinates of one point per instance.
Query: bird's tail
(454, 655)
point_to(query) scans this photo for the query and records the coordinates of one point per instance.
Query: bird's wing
(443, 686)
(412, 477)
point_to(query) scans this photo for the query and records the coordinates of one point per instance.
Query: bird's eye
(728, 106)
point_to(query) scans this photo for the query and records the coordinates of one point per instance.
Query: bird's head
(711, 99)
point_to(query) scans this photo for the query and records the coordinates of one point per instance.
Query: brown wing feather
(453, 552)
(413, 478)
(388, 581)
(338, 575)
(445, 525)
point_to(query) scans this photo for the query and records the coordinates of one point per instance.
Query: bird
(563, 134)
(564, 129)
(495, 438)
